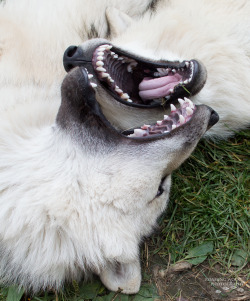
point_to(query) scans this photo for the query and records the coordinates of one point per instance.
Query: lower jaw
(175, 119)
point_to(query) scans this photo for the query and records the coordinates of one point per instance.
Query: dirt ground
(184, 282)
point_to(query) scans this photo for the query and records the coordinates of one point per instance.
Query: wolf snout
(73, 56)
(214, 118)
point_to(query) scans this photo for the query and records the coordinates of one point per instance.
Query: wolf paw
(122, 276)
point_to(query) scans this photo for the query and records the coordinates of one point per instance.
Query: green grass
(209, 203)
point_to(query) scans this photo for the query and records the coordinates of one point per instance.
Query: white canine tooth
(100, 58)
(129, 100)
(101, 49)
(165, 117)
(159, 122)
(99, 63)
(187, 64)
(171, 90)
(186, 81)
(118, 90)
(181, 119)
(124, 96)
(172, 107)
(191, 105)
(108, 47)
(112, 53)
(139, 132)
(189, 102)
(103, 75)
(111, 80)
(173, 126)
(90, 76)
(181, 101)
(93, 85)
(100, 53)
(173, 70)
(189, 111)
(115, 56)
(101, 69)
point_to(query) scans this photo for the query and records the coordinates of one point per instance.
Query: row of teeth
(102, 72)
(166, 71)
(186, 106)
(100, 52)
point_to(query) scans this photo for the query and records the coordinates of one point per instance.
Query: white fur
(214, 32)
(71, 205)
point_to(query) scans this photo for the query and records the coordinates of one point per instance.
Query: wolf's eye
(160, 188)
(160, 191)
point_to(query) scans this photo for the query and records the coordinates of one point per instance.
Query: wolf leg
(124, 276)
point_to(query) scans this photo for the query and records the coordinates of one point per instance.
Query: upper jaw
(135, 81)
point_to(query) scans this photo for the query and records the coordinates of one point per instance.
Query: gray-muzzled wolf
(77, 192)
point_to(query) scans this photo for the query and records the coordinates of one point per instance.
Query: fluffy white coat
(72, 202)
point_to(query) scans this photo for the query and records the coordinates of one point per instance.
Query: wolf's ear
(118, 21)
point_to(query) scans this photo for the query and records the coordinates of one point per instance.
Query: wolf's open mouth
(176, 118)
(79, 103)
(138, 82)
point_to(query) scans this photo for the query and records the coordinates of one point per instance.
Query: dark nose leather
(73, 56)
(214, 118)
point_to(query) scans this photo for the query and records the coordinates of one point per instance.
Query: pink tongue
(159, 87)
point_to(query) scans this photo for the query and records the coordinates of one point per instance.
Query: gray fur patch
(153, 5)
(93, 33)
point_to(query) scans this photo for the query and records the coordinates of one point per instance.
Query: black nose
(214, 118)
(73, 56)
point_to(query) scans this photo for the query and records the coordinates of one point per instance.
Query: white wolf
(76, 195)
(215, 33)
